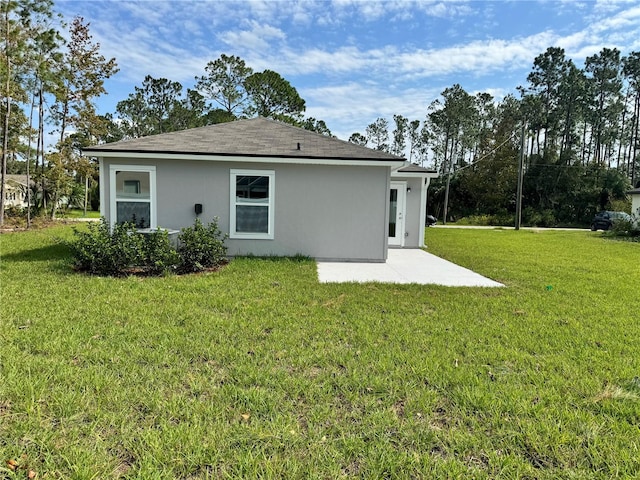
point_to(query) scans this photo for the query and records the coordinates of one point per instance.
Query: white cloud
(605, 7)
(257, 38)
(446, 9)
(474, 58)
(625, 18)
(349, 77)
(371, 10)
(621, 31)
(350, 107)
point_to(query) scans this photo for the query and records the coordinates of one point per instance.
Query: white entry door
(397, 203)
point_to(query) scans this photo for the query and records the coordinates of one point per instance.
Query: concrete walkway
(404, 266)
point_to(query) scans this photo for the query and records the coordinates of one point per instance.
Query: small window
(251, 214)
(131, 187)
(133, 195)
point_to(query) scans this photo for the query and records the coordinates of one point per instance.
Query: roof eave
(396, 174)
(284, 159)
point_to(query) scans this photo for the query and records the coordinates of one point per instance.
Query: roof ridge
(257, 136)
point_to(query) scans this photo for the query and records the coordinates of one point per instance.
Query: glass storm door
(397, 201)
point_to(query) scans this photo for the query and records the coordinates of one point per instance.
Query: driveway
(404, 266)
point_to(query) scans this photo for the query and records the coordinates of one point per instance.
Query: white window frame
(234, 202)
(113, 210)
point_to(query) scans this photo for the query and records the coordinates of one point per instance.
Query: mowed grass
(73, 213)
(257, 370)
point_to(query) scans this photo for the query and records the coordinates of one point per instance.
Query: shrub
(201, 247)
(539, 218)
(548, 219)
(15, 211)
(482, 220)
(498, 220)
(626, 228)
(531, 216)
(103, 251)
(122, 250)
(158, 256)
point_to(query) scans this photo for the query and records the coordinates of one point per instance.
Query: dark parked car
(431, 220)
(605, 220)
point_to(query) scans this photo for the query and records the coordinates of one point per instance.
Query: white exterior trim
(401, 213)
(151, 170)
(242, 158)
(103, 193)
(397, 174)
(422, 220)
(233, 202)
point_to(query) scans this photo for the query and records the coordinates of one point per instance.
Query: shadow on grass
(54, 252)
(275, 258)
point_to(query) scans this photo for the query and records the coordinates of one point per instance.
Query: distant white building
(15, 192)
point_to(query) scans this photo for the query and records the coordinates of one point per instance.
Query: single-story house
(275, 189)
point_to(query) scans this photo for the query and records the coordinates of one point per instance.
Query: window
(133, 194)
(393, 211)
(251, 204)
(131, 187)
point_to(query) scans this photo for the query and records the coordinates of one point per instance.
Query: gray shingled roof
(413, 168)
(258, 137)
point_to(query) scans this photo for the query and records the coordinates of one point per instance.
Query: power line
(530, 165)
(486, 155)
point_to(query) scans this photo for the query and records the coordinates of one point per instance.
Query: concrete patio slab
(404, 266)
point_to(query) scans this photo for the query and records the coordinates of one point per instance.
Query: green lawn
(75, 213)
(259, 371)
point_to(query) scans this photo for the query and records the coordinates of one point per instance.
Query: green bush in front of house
(104, 251)
(123, 250)
(201, 247)
(158, 255)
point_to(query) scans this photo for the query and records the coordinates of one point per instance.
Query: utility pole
(446, 192)
(520, 179)
(446, 196)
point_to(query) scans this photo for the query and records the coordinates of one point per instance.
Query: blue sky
(353, 60)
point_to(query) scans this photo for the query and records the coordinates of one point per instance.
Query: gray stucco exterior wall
(329, 212)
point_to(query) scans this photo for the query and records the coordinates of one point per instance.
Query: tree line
(229, 90)
(581, 124)
(581, 140)
(47, 81)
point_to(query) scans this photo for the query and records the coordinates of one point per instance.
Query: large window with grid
(133, 195)
(252, 200)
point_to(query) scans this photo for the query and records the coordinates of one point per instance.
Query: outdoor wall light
(198, 208)
(408, 189)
